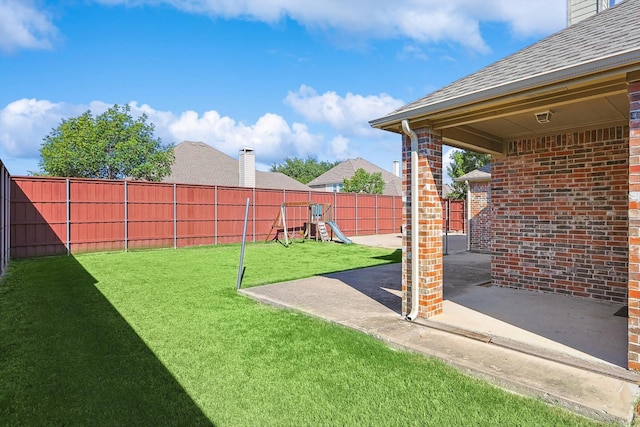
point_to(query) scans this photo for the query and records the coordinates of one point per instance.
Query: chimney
(396, 168)
(247, 169)
(577, 10)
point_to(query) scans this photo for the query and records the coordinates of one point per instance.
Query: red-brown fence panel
(96, 220)
(5, 217)
(266, 204)
(454, 215)
(195, 208)
(366, 214)
(57, 215)
(38, 217)
(231, 208)
(151, 215)
(345, 213)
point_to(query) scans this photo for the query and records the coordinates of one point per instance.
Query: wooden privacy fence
(52, 216)
(453, 212)
(5, 209)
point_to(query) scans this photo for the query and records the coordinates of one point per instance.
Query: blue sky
(286, 77)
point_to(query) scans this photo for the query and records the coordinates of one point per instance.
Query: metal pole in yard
(175, 218)
(244, 238)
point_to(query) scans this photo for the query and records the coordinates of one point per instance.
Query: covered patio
(492, 332)
(561, 119)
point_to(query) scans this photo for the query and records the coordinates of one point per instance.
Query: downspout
(415, 271)
(466, 183)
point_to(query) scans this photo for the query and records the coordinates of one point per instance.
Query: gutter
(628, 60)
(415, 271)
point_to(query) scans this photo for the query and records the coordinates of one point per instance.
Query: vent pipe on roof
(247, 169)
(415, 271)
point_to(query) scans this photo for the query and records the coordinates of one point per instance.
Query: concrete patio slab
(502, 335)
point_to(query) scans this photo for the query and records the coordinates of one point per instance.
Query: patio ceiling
(488, 125)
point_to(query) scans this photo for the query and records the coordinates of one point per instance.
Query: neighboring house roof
(557, 70)
(348, 168)
(483, 173)
(446, 190)
(199, 163)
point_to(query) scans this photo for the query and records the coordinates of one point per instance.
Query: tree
(303, 170)
(364, 182)
(110, 146)
(463, 162)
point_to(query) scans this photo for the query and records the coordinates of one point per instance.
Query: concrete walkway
(563, 350)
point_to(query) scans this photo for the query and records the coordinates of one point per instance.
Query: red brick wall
(480, 213)
(560, 220)
(430, 223)
(634, 227)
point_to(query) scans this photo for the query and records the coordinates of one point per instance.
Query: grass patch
(162, 338)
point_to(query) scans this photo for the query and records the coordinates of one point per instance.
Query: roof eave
(628, 59)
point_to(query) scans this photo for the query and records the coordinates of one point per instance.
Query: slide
(336, 230)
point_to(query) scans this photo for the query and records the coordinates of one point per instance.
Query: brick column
(430, 223)
(634, 227)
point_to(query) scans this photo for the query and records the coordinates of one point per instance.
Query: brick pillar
(430, 223)
(634, 227)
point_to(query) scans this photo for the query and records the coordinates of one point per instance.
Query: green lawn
(162, 338)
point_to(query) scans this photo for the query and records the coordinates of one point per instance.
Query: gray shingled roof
(606, 40)
(483, 173)
(348, 168)
(199, 163)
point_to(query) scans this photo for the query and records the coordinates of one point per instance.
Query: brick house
(478, 184)
(561, 119)
(333, 179)
(199, 163)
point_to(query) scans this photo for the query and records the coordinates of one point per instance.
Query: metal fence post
(68, 208)
(175, 218)
(215, 215)
(356, 214)
(253, 209)
(126, 217)
(376, 214)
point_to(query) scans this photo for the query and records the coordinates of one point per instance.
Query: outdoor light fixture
(544, 116)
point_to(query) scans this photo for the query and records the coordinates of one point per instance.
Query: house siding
(560, 220)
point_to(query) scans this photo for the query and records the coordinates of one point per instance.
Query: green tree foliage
(463, 162)
(364, 182)
(303, 170)
(110, 146)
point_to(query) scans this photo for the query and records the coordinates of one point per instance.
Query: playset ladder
(322, 228)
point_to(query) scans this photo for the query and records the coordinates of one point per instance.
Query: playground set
(308, 221)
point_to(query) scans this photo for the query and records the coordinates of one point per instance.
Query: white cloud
(347, 114)
(22, 26)
(424, 21)
(25, 122)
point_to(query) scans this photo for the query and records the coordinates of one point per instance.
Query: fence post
(335, 207)
(376, 214)
(68, 208)
(215, 215)
(254, 214)
(175, 218)
(126, 217)
(356, 214)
